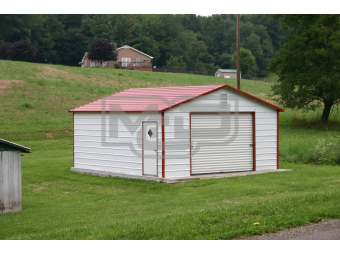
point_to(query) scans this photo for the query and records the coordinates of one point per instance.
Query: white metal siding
(177, 130)
(10, 180)
(94, 149)
(221, 145)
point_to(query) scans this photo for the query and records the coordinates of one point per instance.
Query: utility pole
(238, 51)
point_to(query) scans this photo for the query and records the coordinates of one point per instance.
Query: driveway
(325, 230)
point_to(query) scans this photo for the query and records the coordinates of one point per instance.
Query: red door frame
(254, 137)
(143, 144)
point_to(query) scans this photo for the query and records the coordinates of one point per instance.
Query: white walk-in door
(150, 148)
(221, 142)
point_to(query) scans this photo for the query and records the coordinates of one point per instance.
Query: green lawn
(59, 204)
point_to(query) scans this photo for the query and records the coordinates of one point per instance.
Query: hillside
(37, 96)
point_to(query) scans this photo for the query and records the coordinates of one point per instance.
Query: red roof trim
(186, 101)
(110, 111)
(257, 99)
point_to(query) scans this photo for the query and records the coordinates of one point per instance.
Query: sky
(166, 7)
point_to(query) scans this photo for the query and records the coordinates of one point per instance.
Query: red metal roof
(158, 99)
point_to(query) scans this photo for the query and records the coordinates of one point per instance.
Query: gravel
(324, 230)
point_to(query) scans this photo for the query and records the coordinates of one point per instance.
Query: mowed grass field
(59, 204)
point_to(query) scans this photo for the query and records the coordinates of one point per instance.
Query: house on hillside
(227, 73)
(128, 58)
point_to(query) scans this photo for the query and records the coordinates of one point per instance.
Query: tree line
(182, 40)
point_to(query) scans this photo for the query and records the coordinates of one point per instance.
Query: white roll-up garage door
(221, 142)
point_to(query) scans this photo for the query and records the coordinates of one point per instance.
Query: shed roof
(10, 146)
(227, 70)
(158, 99)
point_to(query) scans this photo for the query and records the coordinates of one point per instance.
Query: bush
(26, 105)
(116, 66)
(5, 50)
(324, 153)
(21, 50)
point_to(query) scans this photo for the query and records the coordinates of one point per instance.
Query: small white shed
(176, 132)
(227, 73)
(10, 176)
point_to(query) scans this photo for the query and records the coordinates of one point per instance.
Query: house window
(126, 61)
(138, 61)
(97, 62)
(105, 63)
(92, 63)
(85, 63)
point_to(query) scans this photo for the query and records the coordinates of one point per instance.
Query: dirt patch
(54, 99)
(41, 187)
(262, 96)
(6, 84)
(266, 98)
(49, 71)
(49, 134)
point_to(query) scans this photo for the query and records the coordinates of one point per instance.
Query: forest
(173, 40)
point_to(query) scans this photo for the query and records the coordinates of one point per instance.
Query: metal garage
(176, 132)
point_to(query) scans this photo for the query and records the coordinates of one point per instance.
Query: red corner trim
(190, 146)
(254, 141)
(163, 147)
(73, 140)
(277, 141)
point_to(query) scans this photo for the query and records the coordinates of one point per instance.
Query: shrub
(324, 153)
(5, 50)
(26, 105)
(21, 50)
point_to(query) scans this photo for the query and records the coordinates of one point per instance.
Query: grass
(59, 204)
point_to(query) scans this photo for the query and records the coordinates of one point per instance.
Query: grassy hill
(39, 96)
(59, 204)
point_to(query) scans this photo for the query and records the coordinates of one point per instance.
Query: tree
(224, 60)
(308, 65)
(21, 50)
(175, 61)
(102, 50)
(247, 60)
(5, 50)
